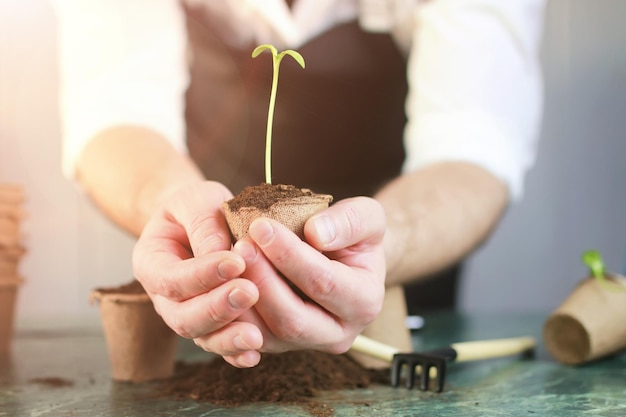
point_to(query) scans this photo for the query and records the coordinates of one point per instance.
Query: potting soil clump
(133, 287)
(264, 195)
(291, 378)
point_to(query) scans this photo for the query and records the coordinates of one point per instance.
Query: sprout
(593, 260)
(276, 58)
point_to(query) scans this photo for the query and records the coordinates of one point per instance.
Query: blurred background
(575, 196)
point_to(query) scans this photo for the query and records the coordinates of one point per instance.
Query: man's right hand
(184, 262)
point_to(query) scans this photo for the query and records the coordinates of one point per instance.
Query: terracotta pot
(9, 232)
(292, 212)
(141, 346)
(10, 260)
(589, 324)
(11, 210)
(8, 266)
(11, 193)
(8, 296)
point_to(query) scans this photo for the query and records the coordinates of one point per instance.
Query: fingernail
(240, 343)
(261, 231)
(239, 299)
(228, 269)
(325, 229)
(246, 250)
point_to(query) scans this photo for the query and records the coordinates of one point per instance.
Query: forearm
(128, 170)
(436, 216)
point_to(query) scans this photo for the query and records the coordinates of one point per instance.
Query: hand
(184, 262)
(341, 269)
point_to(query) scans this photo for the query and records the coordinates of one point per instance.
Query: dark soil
(52, 382)
(264, 195)
(288, 378)
(133, 287)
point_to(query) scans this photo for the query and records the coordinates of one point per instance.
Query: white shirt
(474, 78)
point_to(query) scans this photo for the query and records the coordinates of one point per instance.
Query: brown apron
(338, 124)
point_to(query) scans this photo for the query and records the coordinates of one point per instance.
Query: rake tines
(426, 365)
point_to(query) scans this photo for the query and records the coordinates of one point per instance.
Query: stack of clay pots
(11, 252)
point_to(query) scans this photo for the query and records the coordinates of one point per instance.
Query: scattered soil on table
(294, 378)
(52, 382)
(264, 195)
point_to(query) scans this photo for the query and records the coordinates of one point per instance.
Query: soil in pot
(287, 204)
(141, 346)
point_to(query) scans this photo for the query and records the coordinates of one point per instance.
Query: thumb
(346, 223)
(198, 209)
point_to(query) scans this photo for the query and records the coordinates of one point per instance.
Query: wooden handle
(487, 349)
(373, 348)
(466, 351)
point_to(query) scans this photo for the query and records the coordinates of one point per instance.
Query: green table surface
(497, 387)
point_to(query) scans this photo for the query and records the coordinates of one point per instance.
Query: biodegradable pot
(589, 324)
(286, 204)
(8, 266)
(11, 193)
(141, 346)
(9, 232)
(11, 210)
(10, 260)
(8, 297)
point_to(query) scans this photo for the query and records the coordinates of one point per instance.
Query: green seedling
(276, 58)
(594, 262)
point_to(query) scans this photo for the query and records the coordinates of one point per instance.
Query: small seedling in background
(276, 58)
(593, 260)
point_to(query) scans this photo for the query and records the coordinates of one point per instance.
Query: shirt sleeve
(475, 89)
(121, 62)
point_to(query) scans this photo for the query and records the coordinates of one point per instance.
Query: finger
(290, 319)
(208, 312)
(244, 360)
(346, 223)
(198, 209)
(348, 290)
(162, 271)
(235, 340)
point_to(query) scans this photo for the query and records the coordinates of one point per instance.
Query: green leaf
(296, 56)
(259, 49)
(593, 260)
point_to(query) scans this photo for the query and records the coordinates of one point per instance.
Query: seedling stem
(276, 58)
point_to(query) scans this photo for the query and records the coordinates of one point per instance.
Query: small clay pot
(286, 204)
(11, 193)
(11, 210)
(10, 260)
(141, 346)
(9, 232)
(589, 324)
(8, 296)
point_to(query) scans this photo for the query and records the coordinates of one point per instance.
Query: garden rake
(432, 364)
